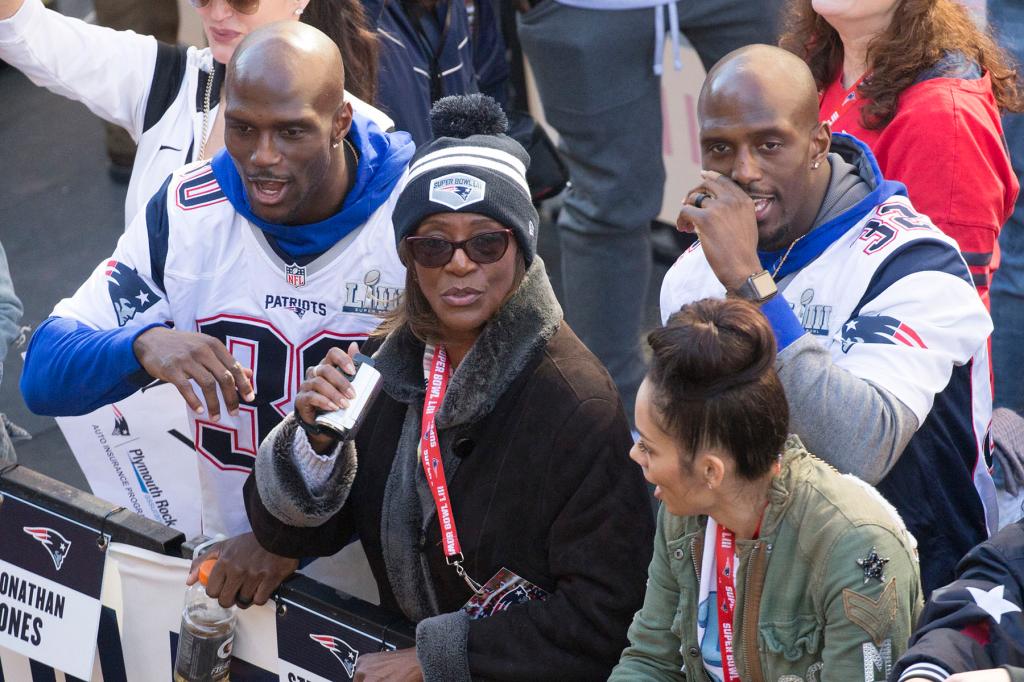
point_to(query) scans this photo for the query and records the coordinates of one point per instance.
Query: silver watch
(758, 288)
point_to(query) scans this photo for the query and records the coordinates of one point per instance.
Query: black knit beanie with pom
(473, 166)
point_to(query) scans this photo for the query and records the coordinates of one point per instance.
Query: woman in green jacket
(768, 564)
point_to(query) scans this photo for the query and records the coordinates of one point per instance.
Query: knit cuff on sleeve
(315, 468)
(442, 647)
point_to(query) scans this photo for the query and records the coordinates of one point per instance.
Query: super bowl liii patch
(500, 592)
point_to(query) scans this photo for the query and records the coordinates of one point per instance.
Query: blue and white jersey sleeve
(919, 318)
(126, 290)
(108, 71)
(82, 357)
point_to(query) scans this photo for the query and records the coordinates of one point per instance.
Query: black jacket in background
(974, 623)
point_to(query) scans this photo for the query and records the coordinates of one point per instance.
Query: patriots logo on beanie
(457, 190)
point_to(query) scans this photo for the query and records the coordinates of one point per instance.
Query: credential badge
(457, 190)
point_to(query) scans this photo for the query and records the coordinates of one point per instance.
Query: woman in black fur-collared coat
(532, 437)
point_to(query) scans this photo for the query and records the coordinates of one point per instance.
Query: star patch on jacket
(874, 566)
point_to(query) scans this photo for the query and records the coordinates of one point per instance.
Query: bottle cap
(204, 570)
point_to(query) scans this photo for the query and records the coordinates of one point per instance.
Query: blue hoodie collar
(383, 158)
(822, 236)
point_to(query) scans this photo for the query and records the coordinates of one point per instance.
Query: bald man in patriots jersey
(882, 337)
(242, 271)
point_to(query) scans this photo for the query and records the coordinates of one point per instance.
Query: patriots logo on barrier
(879, 329)
(120, 423)
(346, 655)
(129, 294)
(457, 190)
(56, 545)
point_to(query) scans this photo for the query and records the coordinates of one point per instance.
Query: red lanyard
(433, 464)
(848, 101)
(725, 553)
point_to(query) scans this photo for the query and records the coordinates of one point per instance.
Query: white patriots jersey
(894, 305)
(214, 272)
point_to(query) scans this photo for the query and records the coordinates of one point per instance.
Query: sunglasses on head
(435, 252)
(241, 6)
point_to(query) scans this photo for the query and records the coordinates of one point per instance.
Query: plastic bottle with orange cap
(206, 634)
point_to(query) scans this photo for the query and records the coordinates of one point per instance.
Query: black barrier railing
(297, 596)
(121, 524)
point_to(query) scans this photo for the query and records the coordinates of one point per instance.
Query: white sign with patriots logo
(138, 453)
(51, 574)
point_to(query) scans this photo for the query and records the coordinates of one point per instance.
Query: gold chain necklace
(778, 266)
(206, 114)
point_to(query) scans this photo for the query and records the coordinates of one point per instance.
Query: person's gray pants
(1007, 293)
(594, 74)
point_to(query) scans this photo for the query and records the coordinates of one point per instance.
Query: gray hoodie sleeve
(10, 308)
(853, 424)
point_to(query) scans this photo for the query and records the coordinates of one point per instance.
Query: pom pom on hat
(460, 116)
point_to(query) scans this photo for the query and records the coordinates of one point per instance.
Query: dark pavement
(60, 214)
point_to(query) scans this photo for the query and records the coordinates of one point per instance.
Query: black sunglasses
(242, 6)
(434, 252)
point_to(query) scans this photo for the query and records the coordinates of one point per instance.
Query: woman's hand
(245, 573)
(400, 666)
(326, 389)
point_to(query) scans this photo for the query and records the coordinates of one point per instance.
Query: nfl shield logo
(296, 275)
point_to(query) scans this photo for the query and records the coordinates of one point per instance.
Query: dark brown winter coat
(535, 447)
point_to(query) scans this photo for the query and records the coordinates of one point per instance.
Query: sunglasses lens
(199, 4)
(488, 247)
(431, 253)
(244, 6)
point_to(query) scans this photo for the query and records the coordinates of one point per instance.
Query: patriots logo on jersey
(879, 329)
(56, 545)
(341, 649)
(129, 294)
(457, 190)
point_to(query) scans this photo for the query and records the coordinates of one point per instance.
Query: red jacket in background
(946, 145)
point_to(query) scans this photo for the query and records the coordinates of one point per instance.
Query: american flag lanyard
(433, 466)
(725, 553)
(848, 101)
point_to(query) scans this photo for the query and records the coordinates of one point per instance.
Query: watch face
(763, 285)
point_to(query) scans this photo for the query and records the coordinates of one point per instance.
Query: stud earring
(334, 146)
(816, 164)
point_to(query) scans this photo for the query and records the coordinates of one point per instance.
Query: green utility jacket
(806, 609)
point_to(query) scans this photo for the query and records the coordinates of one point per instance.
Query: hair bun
(464, 115)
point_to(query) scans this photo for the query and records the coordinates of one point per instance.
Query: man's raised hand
(178, 357)
(727, 228)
